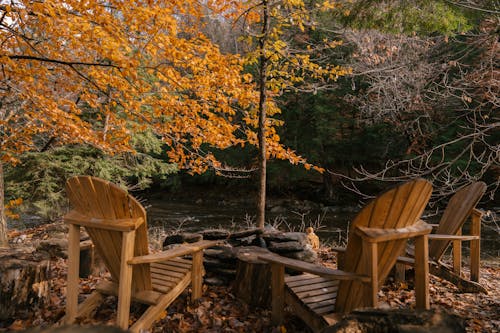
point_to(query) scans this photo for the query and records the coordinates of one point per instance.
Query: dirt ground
(220, 311)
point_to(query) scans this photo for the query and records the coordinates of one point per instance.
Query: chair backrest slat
(457, 211)
(399, 207)
(100, 199)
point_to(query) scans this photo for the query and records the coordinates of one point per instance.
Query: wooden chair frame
(128, 247)
(377, 234)
(460, 208)
(371, 239)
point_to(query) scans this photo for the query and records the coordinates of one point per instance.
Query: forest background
(358, 93)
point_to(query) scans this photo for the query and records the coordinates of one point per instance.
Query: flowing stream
(330, 223)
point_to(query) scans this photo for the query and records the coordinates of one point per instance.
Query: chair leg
(197, 275)
(475, 245)
(370, 258)
(125, 284)
(457, 255)
(154, 311)
(422, 272)
(73, 272)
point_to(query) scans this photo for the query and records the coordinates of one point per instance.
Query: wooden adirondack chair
(116, 223)
(376, 236)
(449, 232)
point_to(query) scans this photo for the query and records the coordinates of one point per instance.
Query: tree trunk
(261, 206)
(4, 241)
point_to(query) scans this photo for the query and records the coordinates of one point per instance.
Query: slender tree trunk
(261, 206)
(4, 241)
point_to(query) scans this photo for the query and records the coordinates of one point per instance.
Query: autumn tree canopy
(96, 72)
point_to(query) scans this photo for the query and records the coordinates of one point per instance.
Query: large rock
(285, 247)
(184, 237)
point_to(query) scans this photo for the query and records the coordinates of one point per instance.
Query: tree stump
(24, 280)
(252, 283)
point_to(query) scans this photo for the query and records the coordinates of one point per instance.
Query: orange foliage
(94, 72)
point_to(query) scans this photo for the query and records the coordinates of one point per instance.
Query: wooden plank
(319, 298)
(167, 266)
(306, 280)
(317, 305)
(165, 272)
(88, 192)
(163, 276)
(175, 252)
(311, 268)
(73, 266)
(125, 285)
(313, 320)
(303, 279)
(278, 292)
(180, 262)
(453, 237)
(149, 297)
(197, 275)
(475, 245)
(422, 273)
(75, 196)
(406, 211)
(325, 310)
(163, 282)
(383, 235)
(319, 285)
(370, 262)
(463, 285)
(108, 248)
(153, 312)
(89, 304)
(459, 207)
(299, 277)
(319, 291)
(406, 260)
(124, 224)
(407, 200)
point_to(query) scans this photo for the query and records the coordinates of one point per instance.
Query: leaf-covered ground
(220, 311)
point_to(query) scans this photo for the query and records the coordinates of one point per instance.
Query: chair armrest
(312, 268)
(174, 253)
(477, 212)
(127, 224)
(375, 235)
(434, 226)
(453, 237)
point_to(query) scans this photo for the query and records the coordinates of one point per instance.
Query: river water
(330, 223)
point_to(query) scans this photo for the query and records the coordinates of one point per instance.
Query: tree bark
(24, 282)
(252, 283)
(261, 206)
(4, 241)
